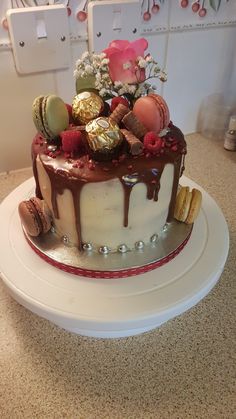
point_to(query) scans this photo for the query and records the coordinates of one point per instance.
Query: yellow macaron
(188, 204)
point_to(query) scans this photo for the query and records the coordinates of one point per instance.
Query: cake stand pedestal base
(115, 307)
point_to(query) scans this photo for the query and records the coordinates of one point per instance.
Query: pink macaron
(35, 216)
(153, 112)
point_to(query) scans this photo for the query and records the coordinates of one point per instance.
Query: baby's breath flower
(121, 91)
(84, 55)
(163, 76)
(103, 92)
(79, 73)
(98, 76)
(127, 65)
(142, 62)
(118, 84)
(78, 63)
(106, 77)
(105, 61)
(132, 89)
(156, 70)
(89, 69)
(97, 57)
(149, 59)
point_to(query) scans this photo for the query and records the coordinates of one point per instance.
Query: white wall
(200, 62)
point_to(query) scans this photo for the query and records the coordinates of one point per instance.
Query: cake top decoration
(115, 111)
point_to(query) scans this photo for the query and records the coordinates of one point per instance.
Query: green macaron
(50, 115)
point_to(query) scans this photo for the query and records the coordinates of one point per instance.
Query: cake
(107, 167)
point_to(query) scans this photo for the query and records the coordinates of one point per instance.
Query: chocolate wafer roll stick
(135, 145)
(77, 128)
(119, 112)
(134, 125)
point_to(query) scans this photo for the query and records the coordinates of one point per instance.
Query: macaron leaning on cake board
(50, 115)
(152, 111)
(35, 216)
(188, 204)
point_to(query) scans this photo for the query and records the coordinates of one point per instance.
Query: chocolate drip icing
(127, 193)
(35, 173)
(130, 171)
(150, 177)
(59, 182)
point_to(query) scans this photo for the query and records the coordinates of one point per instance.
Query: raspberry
(152, 142)
(91, 165)
(116, 100)
(71, 141)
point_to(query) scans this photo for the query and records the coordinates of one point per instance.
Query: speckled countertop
(184, 369)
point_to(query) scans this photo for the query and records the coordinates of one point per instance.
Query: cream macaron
(188, 204)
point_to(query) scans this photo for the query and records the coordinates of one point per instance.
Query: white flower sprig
(97, 66)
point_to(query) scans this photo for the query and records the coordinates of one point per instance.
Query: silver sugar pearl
(104, 250)
(122, 248)
(65, 239)
(87, 246)
(52, 229)
(165, 228)
(52, 148)
(139, 245)
(164, 132)
(153, 238)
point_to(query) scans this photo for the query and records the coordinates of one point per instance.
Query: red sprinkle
(122, 157)
(80, 164)
(130, 167)
(91, 165)
(174, 148)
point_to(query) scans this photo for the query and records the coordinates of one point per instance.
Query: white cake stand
(115, 307)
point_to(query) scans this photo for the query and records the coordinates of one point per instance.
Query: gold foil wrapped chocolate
(103, 134)
(86, 106)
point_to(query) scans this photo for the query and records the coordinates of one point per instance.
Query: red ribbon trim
(89, 273)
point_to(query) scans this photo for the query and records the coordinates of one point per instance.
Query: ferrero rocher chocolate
(86, 106)
(103, 135)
